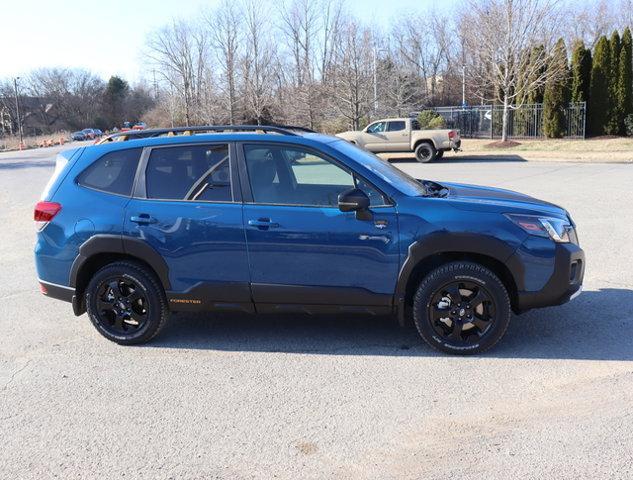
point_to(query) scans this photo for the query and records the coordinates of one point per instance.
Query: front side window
(396, 126)
(377, 127)
(192, 172)
(114, 172)
(286, 175)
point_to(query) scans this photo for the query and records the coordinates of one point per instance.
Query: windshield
(390, 174)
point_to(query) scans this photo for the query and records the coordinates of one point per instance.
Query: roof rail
(159, 132)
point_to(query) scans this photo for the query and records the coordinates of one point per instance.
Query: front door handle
(263, 223)
(142, 219)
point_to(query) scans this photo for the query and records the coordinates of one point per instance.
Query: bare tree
(422, 43)
(299, 24)
(259, 62)
(225, 25)
(180, 52)
(353, 73)
(497, 34)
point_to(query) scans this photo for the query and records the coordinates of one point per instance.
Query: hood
(478, 198)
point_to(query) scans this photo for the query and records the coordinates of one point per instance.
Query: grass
(590, 145)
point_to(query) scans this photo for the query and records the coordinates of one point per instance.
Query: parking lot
(234, 397)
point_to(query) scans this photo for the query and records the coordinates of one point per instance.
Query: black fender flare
(106, 243)
(448, 242)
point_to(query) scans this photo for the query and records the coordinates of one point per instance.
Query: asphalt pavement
(293, 397)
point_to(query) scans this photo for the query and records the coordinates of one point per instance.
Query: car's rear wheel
(461, 308)
(425, 152)
(126, 303)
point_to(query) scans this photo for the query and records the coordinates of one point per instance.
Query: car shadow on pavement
(481, 158)
(595, 326)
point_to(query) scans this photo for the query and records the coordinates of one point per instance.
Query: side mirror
(355, 200)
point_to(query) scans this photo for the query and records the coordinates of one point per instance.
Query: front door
(191, 214)
(302, 249)
(374, 137)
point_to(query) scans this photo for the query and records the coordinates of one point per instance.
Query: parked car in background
(404, 135)
(256, 219)
(78, 136)
(89, 133)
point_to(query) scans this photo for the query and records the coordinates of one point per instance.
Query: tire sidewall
(471, 273)
(154, 315)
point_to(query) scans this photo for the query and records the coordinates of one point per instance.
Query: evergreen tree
(536, 94)
(114, 97)
(615, 116)
(580, 73)
(624, 96)
(556, 95)
(599, 98)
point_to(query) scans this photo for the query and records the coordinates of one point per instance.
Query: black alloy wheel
(461, 312)
(122, 306)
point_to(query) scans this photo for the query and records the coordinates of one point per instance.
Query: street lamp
(17, 108)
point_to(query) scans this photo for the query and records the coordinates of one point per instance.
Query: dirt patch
(500, 144)
(307, 448)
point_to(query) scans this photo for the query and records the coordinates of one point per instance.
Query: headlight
(550, 227)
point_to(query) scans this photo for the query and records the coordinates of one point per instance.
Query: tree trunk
(506, 114)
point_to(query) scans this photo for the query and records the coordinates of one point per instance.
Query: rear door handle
(263, 223)
(142, 219)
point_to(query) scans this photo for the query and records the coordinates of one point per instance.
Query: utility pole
(17, 108)
(375, 84)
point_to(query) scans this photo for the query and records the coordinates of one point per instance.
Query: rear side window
(113, 173)
(395, 126)
(192, 172)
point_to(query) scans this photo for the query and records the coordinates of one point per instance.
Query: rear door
(302, 249)
(188, 208)
(397, 135)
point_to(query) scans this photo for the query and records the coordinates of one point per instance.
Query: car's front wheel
(461, 308)
(126, 303)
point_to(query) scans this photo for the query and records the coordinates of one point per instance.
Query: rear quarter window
(114, 172)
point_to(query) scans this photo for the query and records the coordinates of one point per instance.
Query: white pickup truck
(404, 135)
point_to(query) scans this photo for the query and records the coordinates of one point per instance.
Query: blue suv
(259, 219)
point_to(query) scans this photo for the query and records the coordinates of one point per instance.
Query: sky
(108, 36)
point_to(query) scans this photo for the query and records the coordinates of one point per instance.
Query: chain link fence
(485, 121)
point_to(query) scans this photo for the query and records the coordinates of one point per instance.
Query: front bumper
(565, 283)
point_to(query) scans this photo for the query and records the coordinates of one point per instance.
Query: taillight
(452, 134)
(45, 212)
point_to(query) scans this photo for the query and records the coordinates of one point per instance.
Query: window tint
(113, 173)
(395, 126)
(292, 176)
(192, 172)
(377, 127)
(415, 125)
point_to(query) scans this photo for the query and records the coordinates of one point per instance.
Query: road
(230, 397)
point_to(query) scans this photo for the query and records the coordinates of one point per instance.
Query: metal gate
(485, 121)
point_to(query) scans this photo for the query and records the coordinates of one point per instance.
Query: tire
(425, 152)
(461, 308)
(126, 303)
(439, 154)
